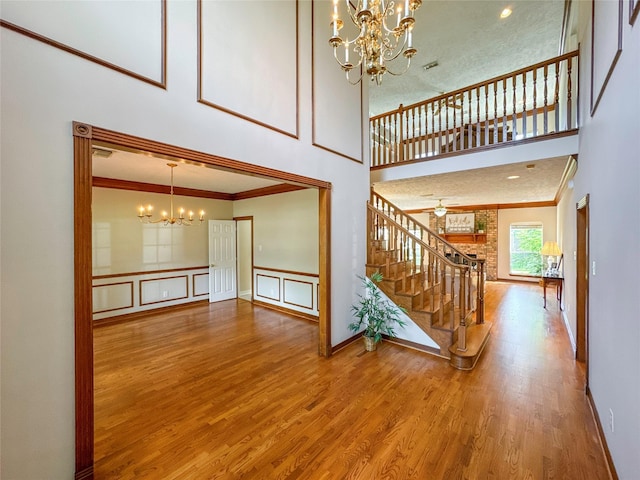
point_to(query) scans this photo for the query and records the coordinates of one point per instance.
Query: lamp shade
(550, 248)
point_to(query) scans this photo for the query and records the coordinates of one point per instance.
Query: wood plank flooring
(233, 391)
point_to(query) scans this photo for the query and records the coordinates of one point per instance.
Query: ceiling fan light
(440, 210)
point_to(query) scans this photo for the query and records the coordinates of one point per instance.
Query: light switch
(593, 268)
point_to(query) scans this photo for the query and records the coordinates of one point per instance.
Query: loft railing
(532, 102)
(432, 266)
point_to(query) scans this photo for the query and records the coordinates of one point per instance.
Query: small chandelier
(145, 213)
(385, 33)
(440, 209)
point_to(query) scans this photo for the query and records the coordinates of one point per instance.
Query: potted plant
(480, 226)
(376, 314)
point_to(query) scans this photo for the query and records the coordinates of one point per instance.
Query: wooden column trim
(82, 301)
(324, 300)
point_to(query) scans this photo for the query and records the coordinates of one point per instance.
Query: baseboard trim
(569, 332)
(346, 343)
(415, 346)
(603, 441)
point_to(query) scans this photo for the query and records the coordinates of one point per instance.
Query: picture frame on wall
(606, 45)
(460, 223)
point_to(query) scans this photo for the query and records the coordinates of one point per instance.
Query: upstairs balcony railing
(536, 101)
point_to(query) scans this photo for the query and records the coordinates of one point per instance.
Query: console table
(550, 281)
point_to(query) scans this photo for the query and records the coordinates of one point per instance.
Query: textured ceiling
(538, 181)
(470, 43)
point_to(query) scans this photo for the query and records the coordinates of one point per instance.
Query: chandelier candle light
(377, 43)
(145, 213)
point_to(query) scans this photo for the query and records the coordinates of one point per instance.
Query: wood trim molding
(290, 272)
(83, 340)
(148, 272)
(264, 191)
(347, 342)
(415, 346)
(494, 206)
(162, 83)
(601, 437)
(138, 144)
(208, 103)
(84, 137)
(115, 183)
(284, 292)
(256, 294)
(193, 285)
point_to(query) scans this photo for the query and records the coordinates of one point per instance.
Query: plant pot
(369, 344)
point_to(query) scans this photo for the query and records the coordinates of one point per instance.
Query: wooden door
(582, 283)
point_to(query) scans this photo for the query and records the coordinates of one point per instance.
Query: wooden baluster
(556, 98)
(441, 293)
(462, 333)
(480, 294)
(545, 108)
(505, 128)
(466, 141)
(535, 109)
(477, 135)
(414, 153)
(569, 109)
(524, 105)
(514, 114)
(485, 139)
(494, 140)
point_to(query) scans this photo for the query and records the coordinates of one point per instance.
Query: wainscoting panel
(296, 291)
(159, 290)
(112, 296)
(200, 284)
(125, 293)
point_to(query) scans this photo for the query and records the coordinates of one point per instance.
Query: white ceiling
(471, 44)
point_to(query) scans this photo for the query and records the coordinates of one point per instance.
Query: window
(524, 253)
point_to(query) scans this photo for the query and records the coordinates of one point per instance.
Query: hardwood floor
(232, 391)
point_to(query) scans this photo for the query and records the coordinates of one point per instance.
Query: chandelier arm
(358, 80)
(396, 74)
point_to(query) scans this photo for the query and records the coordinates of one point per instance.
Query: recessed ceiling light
(506, 12)
(513, 177)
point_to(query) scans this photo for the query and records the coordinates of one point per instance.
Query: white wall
(122, 244)
(507, 216)
(609, 171)
(44, 89)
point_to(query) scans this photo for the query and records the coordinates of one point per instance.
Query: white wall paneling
(142, 291)
(332, 92)
(293, 290)
(233, 67)
(128, 36)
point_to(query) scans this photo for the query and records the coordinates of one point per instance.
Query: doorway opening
(582, 285)
(85, 137)
(244, 230)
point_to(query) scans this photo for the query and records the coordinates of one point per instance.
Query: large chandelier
(384, 33)
(145, 213)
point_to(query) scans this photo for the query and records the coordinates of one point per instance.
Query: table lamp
(550, 250)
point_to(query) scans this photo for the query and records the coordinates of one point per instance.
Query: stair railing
(534, 101)
(434, 244)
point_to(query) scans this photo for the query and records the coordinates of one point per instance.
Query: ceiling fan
(448, 102)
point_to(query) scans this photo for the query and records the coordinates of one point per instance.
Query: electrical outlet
(165, 293)
(611, 424)
(593, 268)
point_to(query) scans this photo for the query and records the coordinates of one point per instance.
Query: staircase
(441, 288)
